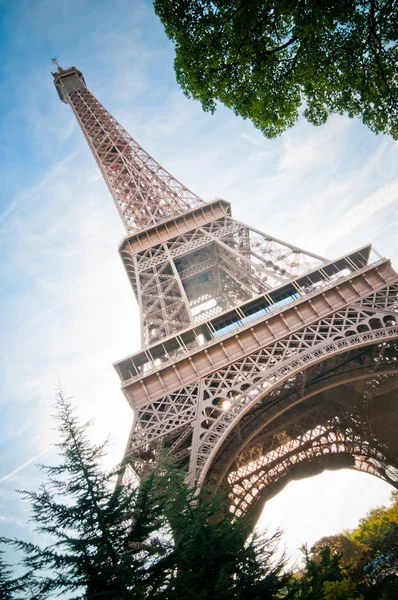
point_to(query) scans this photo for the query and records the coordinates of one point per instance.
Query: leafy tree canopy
(264, 59)
(325, 577)
(341, 590)
(361, 562)
(379, 528)
(352, 553)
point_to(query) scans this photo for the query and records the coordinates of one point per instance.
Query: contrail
(385, 228)
(25, 464)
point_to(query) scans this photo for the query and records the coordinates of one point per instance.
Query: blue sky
(67, 311)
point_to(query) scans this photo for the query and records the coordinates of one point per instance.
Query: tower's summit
(144, 193)
(67, 81)
(261, 362)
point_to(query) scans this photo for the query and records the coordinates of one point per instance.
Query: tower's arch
(340, 412)
(262, 378)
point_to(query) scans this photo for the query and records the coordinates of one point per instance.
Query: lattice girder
(355, 365)
(211, 344)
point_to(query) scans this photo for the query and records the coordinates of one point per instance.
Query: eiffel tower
(260, 362)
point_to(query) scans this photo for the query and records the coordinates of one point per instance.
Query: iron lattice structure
(260, 362)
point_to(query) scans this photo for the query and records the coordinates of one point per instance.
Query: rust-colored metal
(260, 362)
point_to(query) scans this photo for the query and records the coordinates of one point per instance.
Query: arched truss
(331, 425)
(370, 370)
(265, 373)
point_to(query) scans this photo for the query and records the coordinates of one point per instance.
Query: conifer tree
(10, 587)
(95, 549)
(214, 557)
(326, 568)
(6, 584)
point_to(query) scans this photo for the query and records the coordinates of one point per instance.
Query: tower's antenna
(55, 61)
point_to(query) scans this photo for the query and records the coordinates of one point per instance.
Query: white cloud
(306, 151)
(250, 138)
(357, 215)
(358, 218)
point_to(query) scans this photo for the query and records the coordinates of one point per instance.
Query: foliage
(374, 528)
(325, 567)
(341, 590)
(105, 542)
(10, 586)
(379, 529)
(325, 578)
(265, 58)
(368, 556)
(166, 541)
(93, 544)
(6, 583)
(211, 558)
(353, 553)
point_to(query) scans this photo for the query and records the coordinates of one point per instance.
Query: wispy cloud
(69, 129)
(357, 215)
(24, 199)
(250, 138)
(304, 152)
(386, 228)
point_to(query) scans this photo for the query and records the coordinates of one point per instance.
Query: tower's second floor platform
(179, 359)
